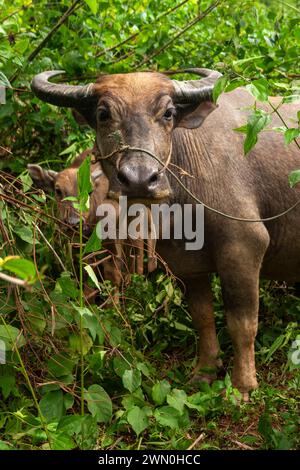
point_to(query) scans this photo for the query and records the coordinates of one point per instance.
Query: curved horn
(192, 91)
(60, 95)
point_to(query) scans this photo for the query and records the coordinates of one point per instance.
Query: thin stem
(180, 33)
(37, 50)
(26, 376)
(13, 280)
(81, 306)
(275, 109)
(134, 35)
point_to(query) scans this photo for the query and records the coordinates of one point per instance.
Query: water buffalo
(178, 121)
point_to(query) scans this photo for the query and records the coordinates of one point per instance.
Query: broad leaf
(290, 135)
(94, 243)
(132, 379)
(259, 89)
(137, 419)
(177, 399)
(92, 276)
(93, 4)
(294, 178)
(219, 87)
(99, 403)
(52, 406)
(256, 123)
(11, 337)
(160, 391)
(23, 268)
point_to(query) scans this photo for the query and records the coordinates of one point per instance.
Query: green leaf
(67, 285)
(83, 311)
(160, 391)
(219, 87)
(11, 337)
(94, 243)
(59, 365)
(256, 123)
(4, 446)
(120, 365)
(23, 268)
(294, 178)
(7, 385)
(99, 403)
(89, 433)
(137, 419)
(93, 4)
(52, 406)
(59, 441)
(70, 149)
(71, 424)
(92, 276)
(25, 233)
(72, 199)
(167, 416)
(177, 399)
(84, 178)
(68, 401)
(259, 89)
(4, 80)
(290, 135)
(132, 379)
(76, 343)
(26, 181)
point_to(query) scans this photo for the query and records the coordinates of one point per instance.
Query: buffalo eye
(169, 113)
(103, 113)
(58, 193)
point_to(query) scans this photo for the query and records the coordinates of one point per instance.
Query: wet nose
(138, 181)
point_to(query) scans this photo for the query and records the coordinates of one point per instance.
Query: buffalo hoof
(207, 377)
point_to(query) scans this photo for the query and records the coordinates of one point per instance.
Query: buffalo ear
(43, 179)
(79, 118)
(85, 116)
(192, 116)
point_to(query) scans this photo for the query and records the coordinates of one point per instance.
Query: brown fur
(251, 187)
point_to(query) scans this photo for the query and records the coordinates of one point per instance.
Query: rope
(216, 211)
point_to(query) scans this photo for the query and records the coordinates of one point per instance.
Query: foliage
(84, 376)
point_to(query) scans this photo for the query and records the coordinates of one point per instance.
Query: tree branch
(36, 51)
(13, 280)
(133, 36)
(180, 33)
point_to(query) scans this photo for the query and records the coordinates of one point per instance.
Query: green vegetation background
(138, 359)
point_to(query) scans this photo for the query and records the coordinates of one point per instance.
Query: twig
(275, 109)
(242, 445)
(50, 246)
(5, 150)
(36, 51)
(180, 33)
(199, 438)
(13, 280)
(12, 200)
(24, 7)
(134, 35)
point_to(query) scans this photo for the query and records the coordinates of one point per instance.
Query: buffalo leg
(239, 273)
(200, 300)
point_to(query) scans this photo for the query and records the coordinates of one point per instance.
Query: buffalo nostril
(153, 179)
(123, 179)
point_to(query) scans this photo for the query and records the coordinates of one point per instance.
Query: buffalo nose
(137, 182)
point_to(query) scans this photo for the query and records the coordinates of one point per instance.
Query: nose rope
(197, 200)
(125, 147)
(166, 164)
